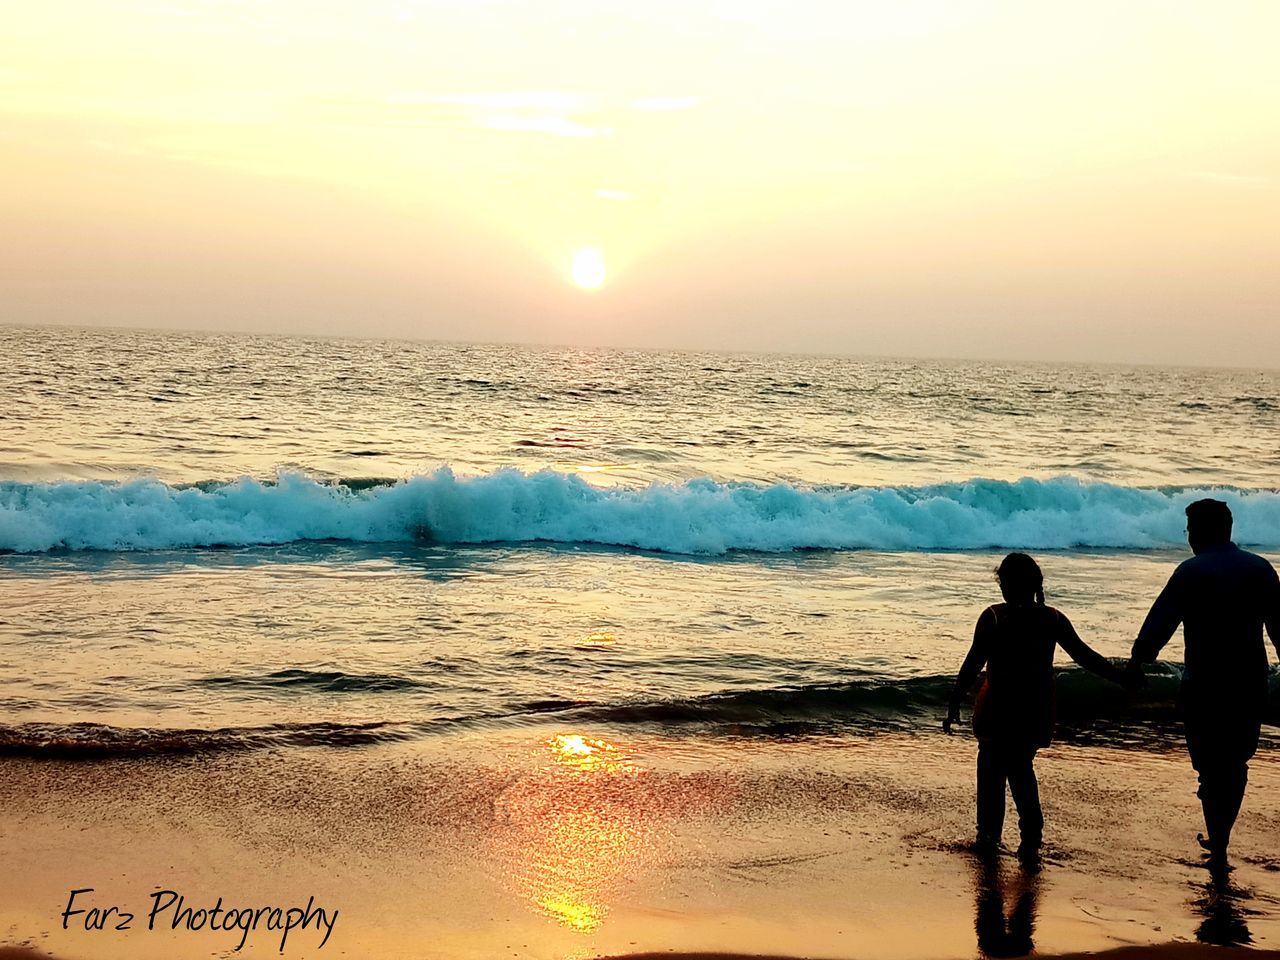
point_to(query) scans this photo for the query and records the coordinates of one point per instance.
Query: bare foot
(1217, 859)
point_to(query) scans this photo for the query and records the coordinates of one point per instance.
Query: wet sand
(552, 843)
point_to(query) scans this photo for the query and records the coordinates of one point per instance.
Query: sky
(1094, 181)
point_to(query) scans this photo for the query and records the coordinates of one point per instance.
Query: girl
(1013, 715)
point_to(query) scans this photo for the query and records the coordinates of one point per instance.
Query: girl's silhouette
(1013, 713)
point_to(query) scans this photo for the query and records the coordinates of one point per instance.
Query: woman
(1013, 715)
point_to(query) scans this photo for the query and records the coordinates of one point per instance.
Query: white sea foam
(697, 517)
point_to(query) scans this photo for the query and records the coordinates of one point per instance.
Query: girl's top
(1016, 643)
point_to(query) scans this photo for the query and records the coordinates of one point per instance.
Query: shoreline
(1168, 951)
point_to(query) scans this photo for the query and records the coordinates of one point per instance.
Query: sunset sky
(1084, 181)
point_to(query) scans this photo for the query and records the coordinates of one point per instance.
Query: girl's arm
(974, 661)
(1085, 655)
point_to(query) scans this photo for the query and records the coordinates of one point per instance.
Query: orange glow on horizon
(783, 182)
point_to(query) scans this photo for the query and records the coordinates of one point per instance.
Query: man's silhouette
(1222, 596)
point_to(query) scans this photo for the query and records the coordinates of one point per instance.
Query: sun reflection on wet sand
(582, 855)
(581, 753)
(574, 829)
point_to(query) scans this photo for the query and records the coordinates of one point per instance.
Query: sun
(588, 268)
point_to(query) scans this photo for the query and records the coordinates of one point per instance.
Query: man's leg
(1221, 793)
(1220, 749)
(991, 780)
(1026, 797)
(1234, 781)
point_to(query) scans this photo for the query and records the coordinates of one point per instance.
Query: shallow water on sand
(326, 644)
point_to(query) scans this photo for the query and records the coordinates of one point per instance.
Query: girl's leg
(1026, 797)
(991, 780)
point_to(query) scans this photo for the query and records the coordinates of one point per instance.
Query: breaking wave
(97, 741)
(694, 517)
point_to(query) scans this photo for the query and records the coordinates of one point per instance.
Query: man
(1222, 596)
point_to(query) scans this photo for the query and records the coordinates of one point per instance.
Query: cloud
(551, 112)
(542, 123)
(559, 113)
(555, 100)
(665, 103)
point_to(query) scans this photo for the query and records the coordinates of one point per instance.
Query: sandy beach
(547, 843)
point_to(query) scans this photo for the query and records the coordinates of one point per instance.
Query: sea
(224, 542)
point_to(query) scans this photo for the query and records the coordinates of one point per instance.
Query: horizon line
(628, 348)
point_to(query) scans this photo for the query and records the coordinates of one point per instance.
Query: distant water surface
(109, 404)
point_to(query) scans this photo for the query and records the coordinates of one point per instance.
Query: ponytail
(1040, 595)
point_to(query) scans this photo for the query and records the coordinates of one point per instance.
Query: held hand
(1134, 679)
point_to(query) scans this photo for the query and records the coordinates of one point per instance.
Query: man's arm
(1162, 620)
(1085, 655)
(974, 661)
(1271, 611)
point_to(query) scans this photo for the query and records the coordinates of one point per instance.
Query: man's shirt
(1223, 597)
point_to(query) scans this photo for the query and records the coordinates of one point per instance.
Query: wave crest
(694, 517)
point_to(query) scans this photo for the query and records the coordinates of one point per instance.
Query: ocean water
(217, 542)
